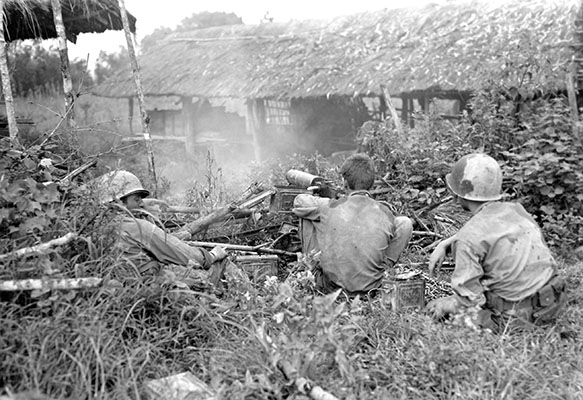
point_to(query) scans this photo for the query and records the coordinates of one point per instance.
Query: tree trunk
(65, 66)
(141, 102)
(6, 84)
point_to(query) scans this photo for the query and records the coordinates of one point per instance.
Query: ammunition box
(403, 294)
(259, 267)
(282, 201)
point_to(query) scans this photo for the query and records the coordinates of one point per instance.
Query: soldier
(503, 266)
(358, 237)
(145, 246)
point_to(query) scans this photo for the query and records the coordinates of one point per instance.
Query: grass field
(108, 343)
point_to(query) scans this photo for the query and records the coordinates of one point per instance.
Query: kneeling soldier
(502, 263)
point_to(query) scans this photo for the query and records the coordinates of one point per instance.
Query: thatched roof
(458, 46)
(33, 19)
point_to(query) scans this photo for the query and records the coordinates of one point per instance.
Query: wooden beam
(141, 101)
(65, 66)
(405, 109)
(392, 109)
(131, 114)
(188, 115)
(7, 86)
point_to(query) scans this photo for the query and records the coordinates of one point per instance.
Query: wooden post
(141, 102)
(6, 84)
(411, 101)
(405, 109)
(382, 108)
(572, 97)
(131, 114)
(253, 126)
(65, 66)
(188, 124)
(392, 109)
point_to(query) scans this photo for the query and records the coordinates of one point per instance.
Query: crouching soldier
(502, 264)
(145, 246)
(358, 238)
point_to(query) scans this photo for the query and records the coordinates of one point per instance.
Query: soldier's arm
(467, 275)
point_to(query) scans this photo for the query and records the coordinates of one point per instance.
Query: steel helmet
(117, 184)
(476, 177)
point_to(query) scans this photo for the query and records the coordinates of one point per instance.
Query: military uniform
(504, 266)
(146, 250)
(358, 238)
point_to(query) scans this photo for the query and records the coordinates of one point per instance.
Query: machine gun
(312, 183)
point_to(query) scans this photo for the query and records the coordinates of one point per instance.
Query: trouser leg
(308, 236)
(403, 232)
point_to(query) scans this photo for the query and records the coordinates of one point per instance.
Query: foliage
(107, 344)
(36, 70)
(540, 148)
(110, 64)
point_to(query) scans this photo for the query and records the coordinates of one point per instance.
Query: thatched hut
(33, 19)
(312, 83)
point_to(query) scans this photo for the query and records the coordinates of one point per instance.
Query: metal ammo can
(404, 291)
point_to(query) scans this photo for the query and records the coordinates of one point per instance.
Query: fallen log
(221, 214)
(67, 178)
(50, 284)
(253, 249)
(40, 248)
(202, 223)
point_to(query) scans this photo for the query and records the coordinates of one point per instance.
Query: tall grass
(107, 343)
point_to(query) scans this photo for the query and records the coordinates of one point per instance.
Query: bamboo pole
(141, 101)
(572, 96)
(6, 84)
(65, 66)
(50, 284)
(41, 248)
(392, 109)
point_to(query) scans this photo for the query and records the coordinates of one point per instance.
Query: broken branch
(40, 248)
(49, 284)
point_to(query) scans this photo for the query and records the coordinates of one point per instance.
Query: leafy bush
(540, 148)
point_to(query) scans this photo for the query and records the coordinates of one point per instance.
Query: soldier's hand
(442, 307)
(219, 253)
(439, 254)
(155, 205)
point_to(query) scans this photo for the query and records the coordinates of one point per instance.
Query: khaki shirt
(147, 247)
(353, 234)
(500, 249)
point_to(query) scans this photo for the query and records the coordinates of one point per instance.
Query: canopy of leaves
(36, 69)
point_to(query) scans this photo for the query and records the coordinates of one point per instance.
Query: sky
(152, 14)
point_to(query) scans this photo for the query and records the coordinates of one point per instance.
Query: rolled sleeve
(308, 207)
(466, 277)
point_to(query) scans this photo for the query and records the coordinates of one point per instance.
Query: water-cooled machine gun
(313, 183)
(301, 182)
